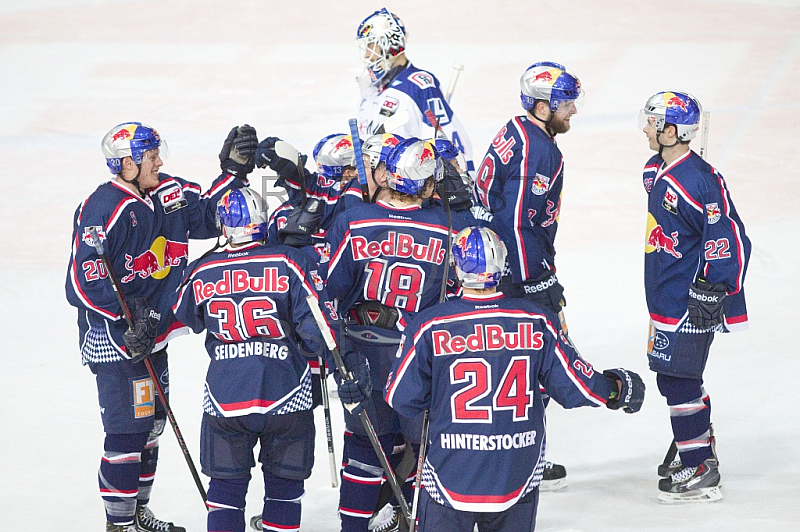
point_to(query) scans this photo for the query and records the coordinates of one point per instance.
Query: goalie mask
(679, 109)
(381, 37)
(410, 164)
(242, 216)
(479, 258)
(551, 82)
(130, 139)
(333, 153)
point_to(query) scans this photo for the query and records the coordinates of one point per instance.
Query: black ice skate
(692, 484)
(554, 477)
(111, 527)
(672, 461)
(147, 522)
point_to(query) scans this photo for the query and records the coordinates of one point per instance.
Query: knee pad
(126, 443)
(678, 390)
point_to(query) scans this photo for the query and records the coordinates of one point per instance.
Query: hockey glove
(283, 161)
(301, 224)
(628, 394)
(238, 151)
(453, 188)
(705, 304)
(546, 291)
(140, 340)
(359, 388)
(446, 149)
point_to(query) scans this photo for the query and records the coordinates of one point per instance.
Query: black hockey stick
(362, 415)
(362, 172)
(126, 311)
(326, 407)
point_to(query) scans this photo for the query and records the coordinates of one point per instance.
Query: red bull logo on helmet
(225, 200)
(157, 261)
(427, 153)
(122, 134)
(462, 242)
(672, 100)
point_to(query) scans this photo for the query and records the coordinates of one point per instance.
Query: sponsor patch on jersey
(540, 185)
(421, 79)
(389, 106)
(172, 199)
(144, 396)
(670, 202)
(318, 282)
(713, 212)
(87, 236)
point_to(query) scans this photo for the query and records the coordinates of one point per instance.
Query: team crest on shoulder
(319, 284)
(421, 79)
(713, 212)
(540, 185)
(324, 251)
(87, 236)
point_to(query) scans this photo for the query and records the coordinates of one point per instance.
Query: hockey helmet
(479, 257)
(130, 139)
(551, 82)
(242, 216)
(333, 153)
(411, 163)
(380, 37)
(377, 147)
(680, 109)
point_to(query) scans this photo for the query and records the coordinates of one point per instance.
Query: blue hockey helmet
(551, 82)
(380, 37)
(242, 216)
(479, 257)
(411, 163)
(680, 109)
(377, 147)
(333, 153)
(130, 139)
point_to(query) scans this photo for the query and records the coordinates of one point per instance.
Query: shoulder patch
(389, 106)
(172, 198)
(422, 79)
(713, 213)
(670, 202)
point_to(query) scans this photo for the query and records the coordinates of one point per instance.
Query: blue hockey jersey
(146, 241)
(475, 363)
(520, 182)
(260, 333)
(415, 91)
(693, 230)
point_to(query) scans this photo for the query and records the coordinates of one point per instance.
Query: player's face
(649, 130)
(148, 174)
(561, 118)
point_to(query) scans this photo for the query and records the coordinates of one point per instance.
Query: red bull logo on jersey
(157, 261)
(712, 211)
(239, 281)
(671, 100)
(659, 241)
(398, 245)
(487, 338)
(540, 184)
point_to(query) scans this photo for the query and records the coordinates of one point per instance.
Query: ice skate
(386, 520)
(111, 527)
(554, 477)
(672, 461)
(692, 484)
(147, 522)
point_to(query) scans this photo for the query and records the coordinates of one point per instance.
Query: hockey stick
(437, 131)
(362, 172)
(363, 416)
(326, 406)
(704, 136)
(451, 87)
(126, 311)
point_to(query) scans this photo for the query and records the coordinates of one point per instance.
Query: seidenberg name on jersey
(248, 349)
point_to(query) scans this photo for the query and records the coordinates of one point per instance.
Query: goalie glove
(627, 390)
(237, 156)
(705, 304)
(140, 340)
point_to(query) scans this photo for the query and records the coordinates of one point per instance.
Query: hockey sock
(226, 504)
(411, 478)
(361, 481)
(690, 415)
(119, 475)
(282, 509)
(148, 471)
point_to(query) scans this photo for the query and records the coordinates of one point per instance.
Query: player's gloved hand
(140, 340)
(705, 304)
(301, 224)
(446, 149)
(453, 188)
(280, 158)
(237, 156)
(629, 394)
(547, 291)
(357, 389)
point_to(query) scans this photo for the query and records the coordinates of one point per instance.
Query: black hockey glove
(705, 304)
(546, 291)
(629, 395)
(140, 340)
(267, 156)
(453, 188)
(357, 389)
(301, 224)
(237, 156)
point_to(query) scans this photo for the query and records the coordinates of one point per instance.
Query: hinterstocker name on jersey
(249, 349)
(398, 245)
(487, 338)
(494, 442)
(237, 281)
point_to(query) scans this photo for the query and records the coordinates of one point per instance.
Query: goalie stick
(451, 86)
(126, 312)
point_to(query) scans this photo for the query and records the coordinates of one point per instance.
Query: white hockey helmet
(130, 139)
(380, 37)
(242, 216)
(333, 153)
(411, 163)
(479, 257)
(679, 109)
(377, 147)
(551, 82)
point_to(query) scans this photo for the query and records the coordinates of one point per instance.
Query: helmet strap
(135, 180)
(546, 123)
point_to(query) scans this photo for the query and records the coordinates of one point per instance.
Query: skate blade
(712, 494)
(255, 522)
(558, 484)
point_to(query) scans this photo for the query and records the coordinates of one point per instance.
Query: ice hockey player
(475, 364)
(391, 86)
(144, 219)
(251, 301)
(696, 256)
(519, 182)
(387, 264)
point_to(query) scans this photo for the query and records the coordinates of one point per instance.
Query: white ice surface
(71, 69)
